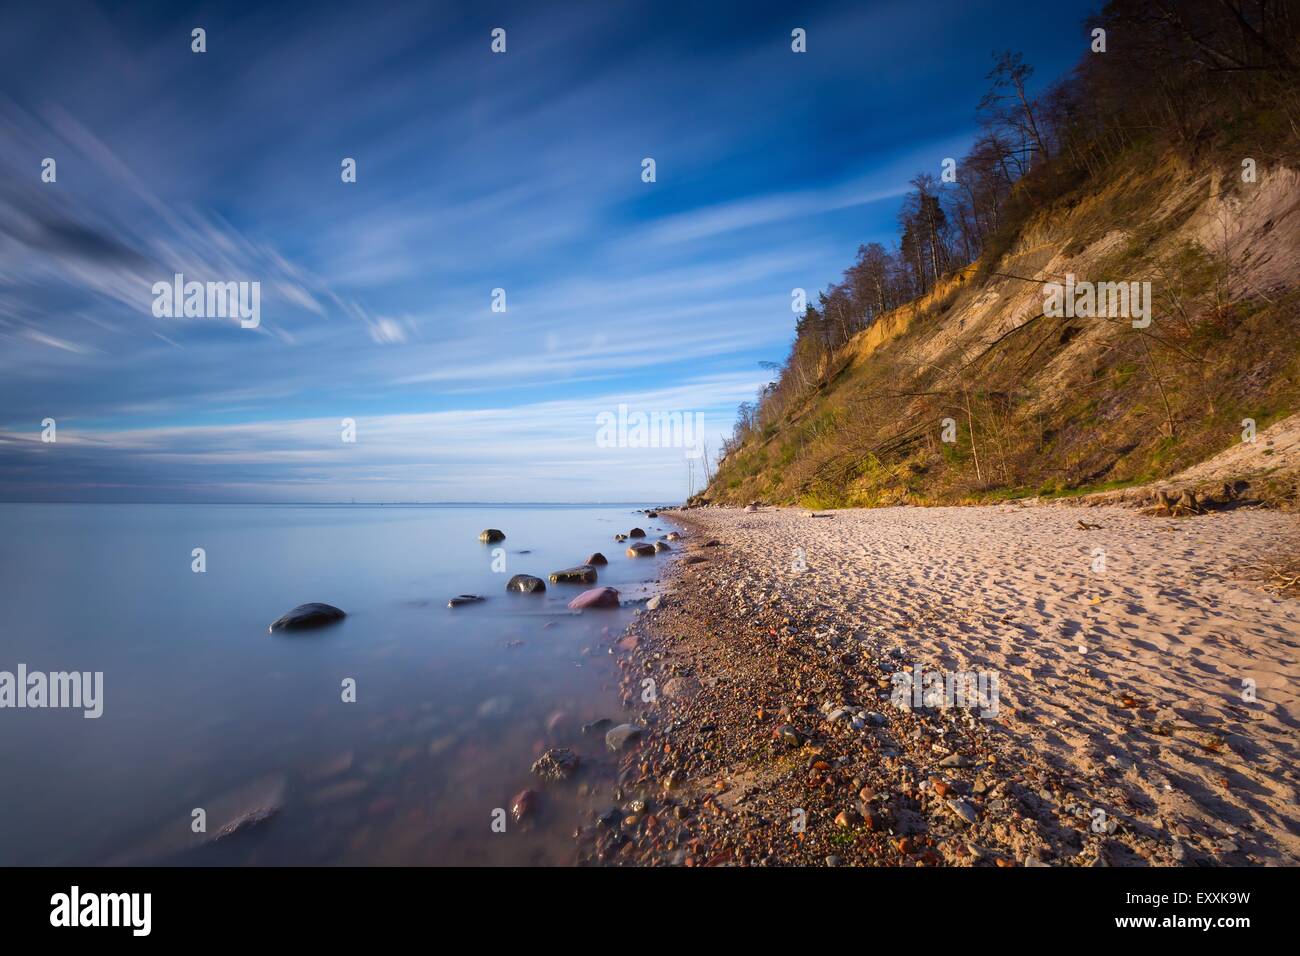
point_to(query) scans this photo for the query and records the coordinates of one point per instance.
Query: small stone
(523, 805)
(789, 735)
(460, 599)
(623, 736)
(848, 818)
(596, 558)
(597, 726)
(963, 810)
(491, 535)
(558, 763)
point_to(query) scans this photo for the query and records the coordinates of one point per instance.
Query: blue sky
(475, 171)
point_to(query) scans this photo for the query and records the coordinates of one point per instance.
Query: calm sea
(205, 710)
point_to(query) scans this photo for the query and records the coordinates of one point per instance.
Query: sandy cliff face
(1035, 402)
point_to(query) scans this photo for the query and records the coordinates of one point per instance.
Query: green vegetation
(1106, 175)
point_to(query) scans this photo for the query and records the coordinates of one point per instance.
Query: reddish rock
(596, 597)
(523, 805)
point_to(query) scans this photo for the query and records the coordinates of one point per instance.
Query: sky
(475, 171)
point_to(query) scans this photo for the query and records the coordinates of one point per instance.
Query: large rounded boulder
(526, 584)
(596, 597)
(306, 617)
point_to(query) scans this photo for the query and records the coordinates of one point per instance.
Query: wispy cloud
(475, 172)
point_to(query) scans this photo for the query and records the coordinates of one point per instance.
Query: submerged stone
(307, 616)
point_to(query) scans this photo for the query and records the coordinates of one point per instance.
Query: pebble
(623, 736)
(558, 763)
(963, 810)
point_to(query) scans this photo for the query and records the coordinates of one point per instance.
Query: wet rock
(641, 551)
(526, 584)
(596, 597)
(491, 536)
(235, 811)
(672, 536)
(461, 599)
(663, 546)
(558, 763)
(598, 726)
(620, 537)
(636, 533)
(596, 559)
(582, 574)
(307, 617)
(623, 737)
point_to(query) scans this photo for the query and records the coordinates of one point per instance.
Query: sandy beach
(1146, 686)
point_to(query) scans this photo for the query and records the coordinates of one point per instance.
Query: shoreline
(1120, 736)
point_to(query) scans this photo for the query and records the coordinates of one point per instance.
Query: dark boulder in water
(641, 551)
(582, 574)
(526, 584)
(663, 546)
(460, 599)
(596, 559)
(307, 616)
(491, 535)
(636, 533)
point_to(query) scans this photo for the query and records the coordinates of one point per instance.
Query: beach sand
(1126, 731)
